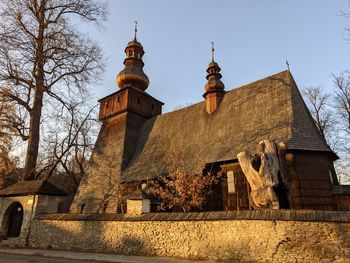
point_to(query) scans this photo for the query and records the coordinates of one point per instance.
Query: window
(118, 99)
(231, 182)
(138, 101)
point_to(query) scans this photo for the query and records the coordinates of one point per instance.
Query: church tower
(214, 88)
(132, 82)
(123, 115)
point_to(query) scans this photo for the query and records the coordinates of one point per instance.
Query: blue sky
(253, 38)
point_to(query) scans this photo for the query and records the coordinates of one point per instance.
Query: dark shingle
(31, 187)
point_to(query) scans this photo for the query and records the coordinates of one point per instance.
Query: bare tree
(6, 113)
(179, 189)
(342, 98)
(114, 192)
(319, 105)
(42, 54)
(341, 103)
(7, 162)
(68, 143)
(347, 15)
(15, 119)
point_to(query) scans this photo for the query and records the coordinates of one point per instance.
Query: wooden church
(135, 137)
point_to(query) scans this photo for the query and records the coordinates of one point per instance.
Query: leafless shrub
(181, 190)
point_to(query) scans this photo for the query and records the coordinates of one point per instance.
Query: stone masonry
(234, 239)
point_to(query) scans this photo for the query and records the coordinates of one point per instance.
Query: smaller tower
(214, 88)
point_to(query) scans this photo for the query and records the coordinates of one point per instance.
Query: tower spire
(135, 30)
(214, 88)
(132, 75)
(212, 51)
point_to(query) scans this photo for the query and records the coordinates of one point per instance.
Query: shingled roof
(270, 108)
(30, 188)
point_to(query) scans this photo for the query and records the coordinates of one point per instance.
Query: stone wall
(217, 236)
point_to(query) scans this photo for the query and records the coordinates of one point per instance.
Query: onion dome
(214, 78)
(132, 75)
(214, 83)
(214, 88)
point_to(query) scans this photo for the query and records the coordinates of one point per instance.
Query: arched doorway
(14, 218)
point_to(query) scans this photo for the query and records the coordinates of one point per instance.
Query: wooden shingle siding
(314, 180)
(271, 108)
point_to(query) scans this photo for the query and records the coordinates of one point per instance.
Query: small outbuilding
(19, 203)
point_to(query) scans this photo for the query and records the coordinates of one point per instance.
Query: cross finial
(135, 29)
(212, 51)
(287, 64)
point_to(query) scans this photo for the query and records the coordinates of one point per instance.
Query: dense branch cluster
(44, 60)
(68, 150)
(7, 162)
(331, 113)
(38, 39)
(180, 189)
(318, 102)
(346, 14)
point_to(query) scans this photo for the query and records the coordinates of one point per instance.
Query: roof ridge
(259, 80)
(239, 87)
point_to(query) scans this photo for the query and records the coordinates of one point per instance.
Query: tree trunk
(35, 114)
(34, 136)
(262, 180)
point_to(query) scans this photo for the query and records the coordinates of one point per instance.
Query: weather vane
(287, 64)
(212, 51)
(135, 29)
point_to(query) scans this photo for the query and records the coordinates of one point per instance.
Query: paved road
(7, 258)
(52, 256)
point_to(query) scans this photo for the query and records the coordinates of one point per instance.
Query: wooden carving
(261, 171)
